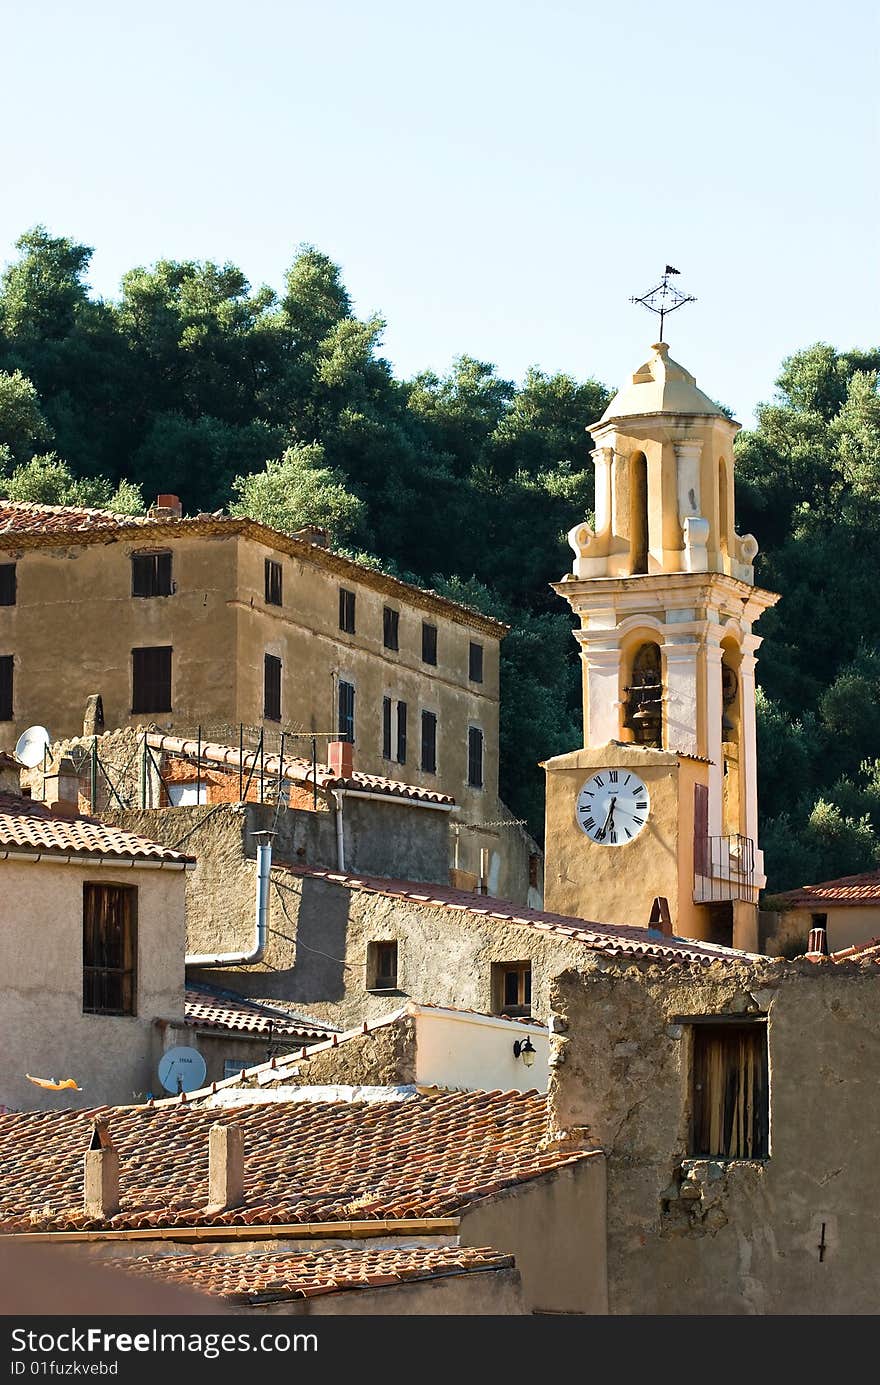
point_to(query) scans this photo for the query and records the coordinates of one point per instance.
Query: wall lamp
(525, 1049)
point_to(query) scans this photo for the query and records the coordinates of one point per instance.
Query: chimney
(101, 1184)
(817, 945)
(659, 918)
(225, 1167)
(10, 775)
(61, 788)
(313, 533)
(341, 757)
(166, 507)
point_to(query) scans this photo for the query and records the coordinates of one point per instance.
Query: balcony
(724, 869)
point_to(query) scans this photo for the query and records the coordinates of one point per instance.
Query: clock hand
(608, 820)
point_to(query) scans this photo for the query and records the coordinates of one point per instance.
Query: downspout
(340, 830)
(261, 918)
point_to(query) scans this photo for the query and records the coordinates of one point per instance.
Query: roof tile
(27, 826)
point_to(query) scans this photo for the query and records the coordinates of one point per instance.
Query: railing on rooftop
(724, 869)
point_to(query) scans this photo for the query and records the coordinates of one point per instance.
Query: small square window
(382, 966)
(7, 584)
(391, 628)
(512, 988)
(429, 643)
(151, 574)
(475, 663)
(273, 583)
(346, 610)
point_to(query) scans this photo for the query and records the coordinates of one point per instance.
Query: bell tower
(664, 590)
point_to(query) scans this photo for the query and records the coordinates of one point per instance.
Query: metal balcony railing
(724, 869)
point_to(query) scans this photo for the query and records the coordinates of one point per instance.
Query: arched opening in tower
(644, 697)
(638, 513)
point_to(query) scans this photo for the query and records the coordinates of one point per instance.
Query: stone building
(214, 622)
(92, 938)
(661, 801)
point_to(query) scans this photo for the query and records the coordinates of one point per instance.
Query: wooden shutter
(429, 742)
(701, 829)
(730, 1100)
(151, 679)
(7, 662)
(390, 627)
(429, 643)
(386, 728)
(475, 663)
(346, 711)
(273, 581)
(151, 574)
(475, 757)
(401, 733)
(271, 688)
(7, 584)
(109, 950)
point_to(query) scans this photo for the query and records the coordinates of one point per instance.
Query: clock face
(612, 807)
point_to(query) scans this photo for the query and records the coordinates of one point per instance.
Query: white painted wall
(458, 1048)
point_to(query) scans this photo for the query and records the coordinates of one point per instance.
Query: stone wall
(797, 1232)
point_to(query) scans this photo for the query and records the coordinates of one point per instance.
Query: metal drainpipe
(261, 917)
(340, 830)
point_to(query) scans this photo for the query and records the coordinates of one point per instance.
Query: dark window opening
(151, 574)
(386, 728)
(6, 674)
(346, 711)
(271, 688)
(274, 579)
(638, 513)
(731, 1107)
(512, 988)
(534, 869)
(391, 628)
(818, 920)
(401, 733)
(109, 950)
(382, 966)
(151, 679)
(475, 663)
(7, 584)
(346, 610)
(429, 742)
(429, 643)
(475, 757)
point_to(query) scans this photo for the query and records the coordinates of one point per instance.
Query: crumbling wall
(796, 1233)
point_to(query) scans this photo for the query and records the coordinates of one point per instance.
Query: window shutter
(151, 574)
(7, 662)
(272, 688)
(7, 584)
(401, 733)
(273, 583)
(386, 728)
(475, 757)
(475, 663)
(390, 627)
(151, 679)
(701, 829)
(429, 742)
(429, 643)
(346, 711)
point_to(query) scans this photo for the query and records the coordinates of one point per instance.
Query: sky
(495, 178)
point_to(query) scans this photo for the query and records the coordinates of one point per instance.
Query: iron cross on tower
(664, 298)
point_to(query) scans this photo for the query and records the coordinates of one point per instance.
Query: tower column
(603, 457)
(601, 692)
(748, 737)
(714, 657)
(680, 662)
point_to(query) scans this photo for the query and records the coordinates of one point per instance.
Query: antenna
(182, 1070)
(31, 746)
(664, 298)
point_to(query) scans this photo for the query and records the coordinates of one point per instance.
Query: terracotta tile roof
(304, 1161)
(612, 938)
(279, 1275)
(207, 1007)
(300, 771)
(33, 525)
(28, 827)
(848, 890)
(867, 953)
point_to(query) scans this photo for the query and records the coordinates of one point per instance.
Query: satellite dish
(182, 1070)
(31, 746)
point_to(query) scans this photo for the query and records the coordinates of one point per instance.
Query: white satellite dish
(31, 746)
(182, 1070)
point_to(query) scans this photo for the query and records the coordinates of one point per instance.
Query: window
(382, 966)
(151, 574)
(818, 920)
(401, 733)
(731, 1108)
(534, 870)
(346, 711)
(273, 583)
(346, 610)
(386, 728)
(271, 688)
(6, 663)
(391, 628)
(638, 513)
(475, 663)
(475, 757)
(429, 742)
(151, 679)
(512, 988)
(109, 950)
(7, 584)
(429, 643)
(233, 1066)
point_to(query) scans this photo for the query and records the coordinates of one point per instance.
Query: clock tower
(661, 801)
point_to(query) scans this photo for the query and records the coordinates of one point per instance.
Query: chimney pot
(659, 917)
(817, 945)
(225, 1167)
(341, 757)
(101, 1175)
(170, 502)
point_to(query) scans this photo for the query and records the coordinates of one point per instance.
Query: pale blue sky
(495, 177)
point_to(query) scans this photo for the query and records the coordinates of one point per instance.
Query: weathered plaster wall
(497, 1292)
(786, 931)
(43, 1028)
(688, 1236)
(555, 1227)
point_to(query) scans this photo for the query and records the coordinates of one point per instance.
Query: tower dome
(660, 386)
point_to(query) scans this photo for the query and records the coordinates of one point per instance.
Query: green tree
(301, 489)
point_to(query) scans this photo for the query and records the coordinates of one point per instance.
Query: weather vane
(664, 298)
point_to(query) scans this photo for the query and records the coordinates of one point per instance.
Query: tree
(301, 489)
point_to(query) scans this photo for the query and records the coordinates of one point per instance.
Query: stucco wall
(317, 955)
(45, 1032)
(555, 1227)
(787, 931)
(215, 1046)
(736, 1237)
(496, 1292)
